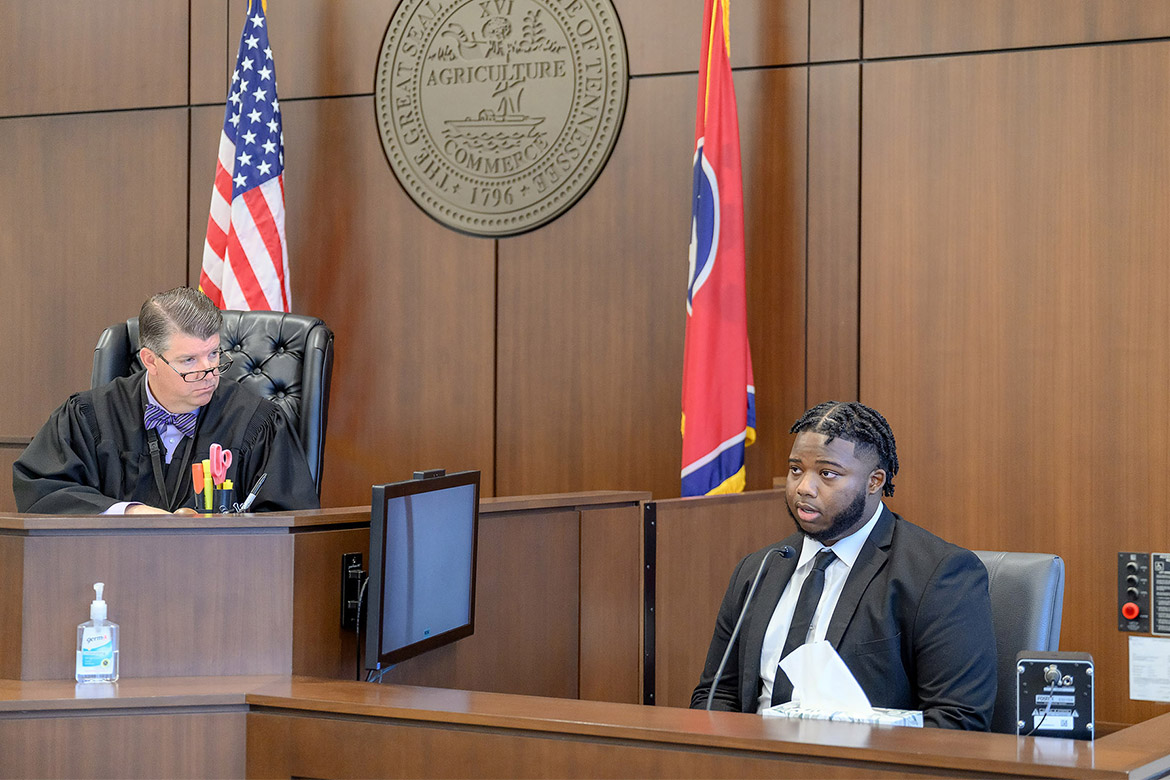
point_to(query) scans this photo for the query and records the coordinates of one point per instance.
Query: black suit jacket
(913, 624)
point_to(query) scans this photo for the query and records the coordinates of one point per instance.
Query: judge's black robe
(94, 451)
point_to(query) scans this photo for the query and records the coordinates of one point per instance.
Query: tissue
(823, 688)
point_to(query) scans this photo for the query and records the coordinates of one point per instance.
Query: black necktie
(802, 617)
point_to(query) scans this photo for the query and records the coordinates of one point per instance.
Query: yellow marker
(227, 484)
(207, 498)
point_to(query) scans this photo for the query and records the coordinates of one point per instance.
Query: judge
(127, 446)
(908, 613)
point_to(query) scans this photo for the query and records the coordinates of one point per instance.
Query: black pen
(252, 495)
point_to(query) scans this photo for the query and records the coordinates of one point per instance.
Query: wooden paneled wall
(1015, 285)
(550, 361)
(956, 212)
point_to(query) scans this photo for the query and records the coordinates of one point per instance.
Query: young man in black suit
(908, 613)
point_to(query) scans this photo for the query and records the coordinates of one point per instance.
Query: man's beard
(845, 519)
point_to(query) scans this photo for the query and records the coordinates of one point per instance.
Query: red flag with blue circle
(718, 394)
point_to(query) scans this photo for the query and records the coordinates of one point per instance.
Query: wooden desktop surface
(141, 728)
(288, 726)
(15, 522)
(549, 737)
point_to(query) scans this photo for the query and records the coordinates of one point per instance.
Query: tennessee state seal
(497, 115)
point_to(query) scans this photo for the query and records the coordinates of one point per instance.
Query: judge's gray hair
(181, 310)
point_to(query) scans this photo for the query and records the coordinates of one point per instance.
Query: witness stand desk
(558, 596)
(691, 547)
(265, 727)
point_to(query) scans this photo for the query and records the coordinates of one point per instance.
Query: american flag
(245, 257)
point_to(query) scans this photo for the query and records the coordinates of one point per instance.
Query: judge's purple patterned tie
(159, 418)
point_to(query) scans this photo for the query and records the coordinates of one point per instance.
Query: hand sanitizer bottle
(97, 644)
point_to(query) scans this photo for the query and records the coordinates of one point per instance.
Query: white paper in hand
(821, 680)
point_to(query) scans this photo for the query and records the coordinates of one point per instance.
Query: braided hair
(859, 424)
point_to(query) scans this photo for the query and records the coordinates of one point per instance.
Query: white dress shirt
(836, 573)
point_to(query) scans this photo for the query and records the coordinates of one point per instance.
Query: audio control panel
(1133, 592)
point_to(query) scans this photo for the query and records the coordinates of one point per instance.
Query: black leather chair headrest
(286, 358)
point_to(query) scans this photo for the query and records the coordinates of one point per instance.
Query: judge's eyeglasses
(225, 361)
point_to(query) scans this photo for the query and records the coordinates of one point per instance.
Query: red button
(1130, 611)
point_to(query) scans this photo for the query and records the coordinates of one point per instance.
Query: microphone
(785, 552)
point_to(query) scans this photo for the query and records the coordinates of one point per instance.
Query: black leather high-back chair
(286, 358)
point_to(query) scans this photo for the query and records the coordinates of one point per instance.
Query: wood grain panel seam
(1014, 49)
(846, 61)
(807, 202)
(103, 712)
(738, 69)
(172, 106)
(96, 112)
(495, 490)
(860, 205)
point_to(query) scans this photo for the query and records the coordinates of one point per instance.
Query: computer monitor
(422, 566)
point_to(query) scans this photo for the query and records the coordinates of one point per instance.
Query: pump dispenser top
(97, 610)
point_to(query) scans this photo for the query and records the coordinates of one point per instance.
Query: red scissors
(220, 460)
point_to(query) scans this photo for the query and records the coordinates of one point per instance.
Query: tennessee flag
(245, 254)
(718, 393)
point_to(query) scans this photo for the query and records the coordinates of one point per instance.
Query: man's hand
(146, 509)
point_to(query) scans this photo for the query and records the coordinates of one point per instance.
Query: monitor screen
(422, 566)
